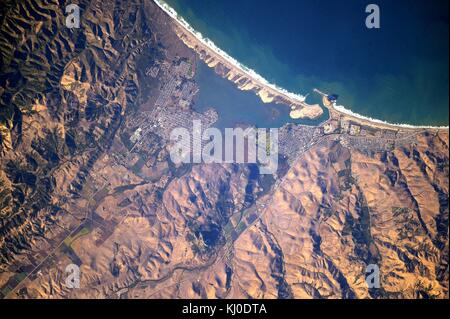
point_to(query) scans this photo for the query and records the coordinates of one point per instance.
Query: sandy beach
(247, 79)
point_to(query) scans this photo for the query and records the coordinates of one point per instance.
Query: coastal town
(351, 130)
(89, 184)
(173, 106)
(99, 190)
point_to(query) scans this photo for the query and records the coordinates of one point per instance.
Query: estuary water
(398, 73)
(237, 107)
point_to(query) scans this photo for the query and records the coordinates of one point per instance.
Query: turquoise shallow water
(398, 73)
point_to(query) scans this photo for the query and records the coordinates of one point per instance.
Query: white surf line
(250, 72)
(342, 109)
(212, 46)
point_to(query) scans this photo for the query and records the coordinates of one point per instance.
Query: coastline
(247, 79)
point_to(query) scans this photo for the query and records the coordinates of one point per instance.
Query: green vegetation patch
(83, 232)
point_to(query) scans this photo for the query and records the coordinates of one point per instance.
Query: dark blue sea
(398, 73)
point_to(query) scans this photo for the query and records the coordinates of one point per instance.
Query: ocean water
(398, 73)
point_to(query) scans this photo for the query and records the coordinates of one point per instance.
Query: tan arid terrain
(86, 178)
